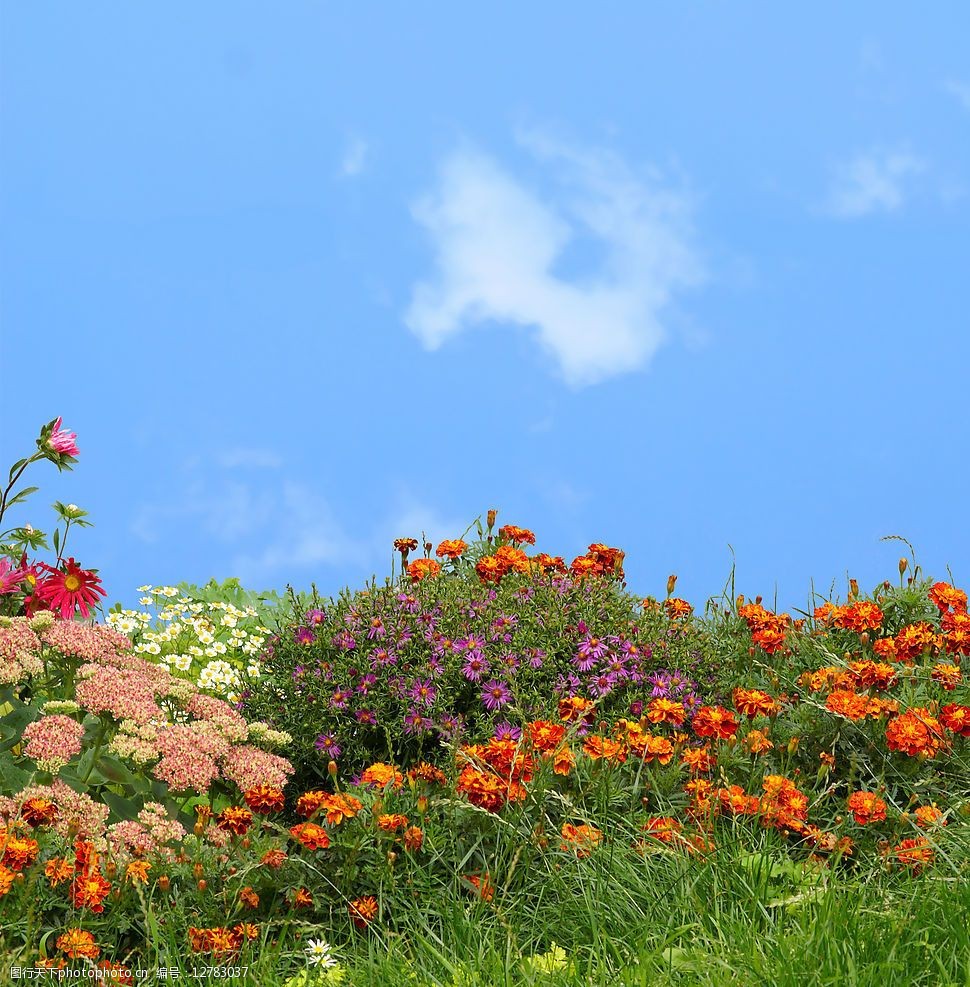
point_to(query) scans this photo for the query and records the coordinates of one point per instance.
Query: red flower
(74, 587)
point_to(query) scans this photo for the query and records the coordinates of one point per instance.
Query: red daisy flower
(70, 588)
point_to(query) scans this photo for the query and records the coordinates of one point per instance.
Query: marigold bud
(332, 769)
(671, 583)
(903, 565)
(864, 638)
(853, 588)
(164, 882)
(422, 804)
(202, 885)
(793, 745)
(198, 870)
(490, 518)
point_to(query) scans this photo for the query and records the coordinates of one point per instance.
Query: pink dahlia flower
(62, 441)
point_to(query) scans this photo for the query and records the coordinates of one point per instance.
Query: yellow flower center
(72, 584)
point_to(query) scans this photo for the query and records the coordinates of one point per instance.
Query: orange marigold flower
(946, 596)
(452, 547)
(481, 788)
(885, 648)
(483, 886)
(860, 616)
(956, 718)
(914, 853)
(423, 569)
(391, 823)
(363, 911)
(915, 733)
(381, 775)
(580, 839)
(235, 819)
(38, 812)
(545, 736)
(666, 829)
(512, 559)
(572, 709)
(549, 563)
(756, 742)
(78, 943)
(697, 760)
(912, 640)
(310, 835)
(947, 675)
(7, 877)
(563, 760)
(847, 703)
(265, 800)
(413, 838)
(597, 747)
(427, 772)
(489, 569)
(89, 891)
(677, 609)
(19, 852)
(249, 897)
(753, 702)
(273, 858)
(137, 872)
(715, 721)
(928, 816)
(771, 640)
(866, 807)
(662, 710)
(521, 536)
(658, 749)
(583, 566)
(877, 708)
(873, 674)
(303, 899)
(405, 545)
(58, 869)
(218, 941)
(737, 801)
(828, 842)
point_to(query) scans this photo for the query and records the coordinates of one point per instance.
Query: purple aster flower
(402, 636)
(636, 708)
(315, 617)
(474, 669)
(366, 683)
(382, 657)
(535, 656)
(304, 635)
(414, 722)
(505, 731)
(661, 684)
(375, 629)
(327, 745)
(510, 661)
(366, 717)
(567, 685)
(340, 698)
(450, 725)
(585, 663)
(423, 691)
(428, 621)
(344, 640)
(472, 645)
(602, 685)
(505, 622)
(691, 701)
(408, 602)
(495, 694)
(581, 628)
(298, 671)
(592, 647)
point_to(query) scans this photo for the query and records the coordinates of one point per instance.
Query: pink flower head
(10, 578)
(61, 441)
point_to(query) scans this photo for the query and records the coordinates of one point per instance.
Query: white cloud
(878, 181)
(497, 243)
(354, 157)
(959, 90)
(249, 459)
(304, 533)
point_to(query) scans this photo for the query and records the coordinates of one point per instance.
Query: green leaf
(121, 807)
(22, 495)
(115, 771)
(57, 541)
(12, 777)
(16, 466)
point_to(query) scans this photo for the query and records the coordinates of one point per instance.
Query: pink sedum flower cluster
(53, 741)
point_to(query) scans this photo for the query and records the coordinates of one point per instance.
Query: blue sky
(306, 277)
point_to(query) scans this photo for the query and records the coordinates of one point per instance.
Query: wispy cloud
(498, 241)
(354, 158)
(305, 534)
(873, 182)
(249, 459)
(960, 91)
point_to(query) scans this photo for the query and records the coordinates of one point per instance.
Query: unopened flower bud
(422, 804)
(853, 589)
(490, 518)
(671, 583)
(332, 769)
(202, 885)
(164, 882)
(903, 565)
